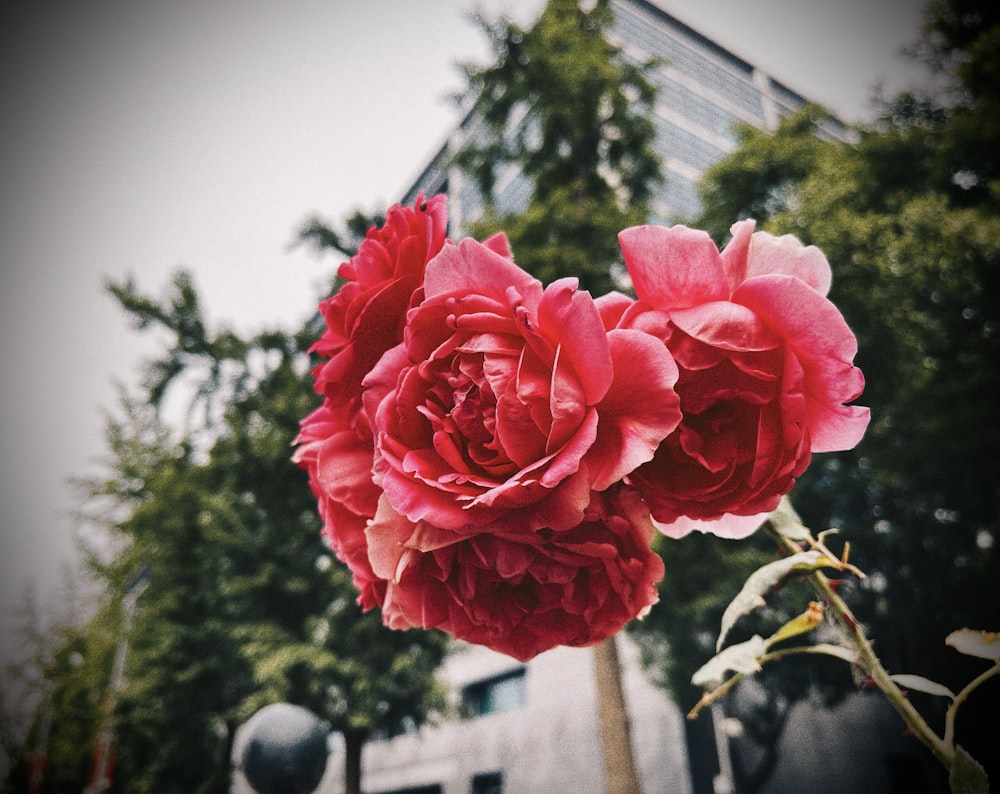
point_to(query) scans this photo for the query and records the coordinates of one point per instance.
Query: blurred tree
(571, 113)
(343, 238)
(245, 604)
(908, 217)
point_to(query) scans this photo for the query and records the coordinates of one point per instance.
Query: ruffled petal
(824, 346)
(640, 409)
(673, 268)
(786, 255)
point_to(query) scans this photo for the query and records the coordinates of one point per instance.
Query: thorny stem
(776, 525)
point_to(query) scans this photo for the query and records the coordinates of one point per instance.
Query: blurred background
(142, 139)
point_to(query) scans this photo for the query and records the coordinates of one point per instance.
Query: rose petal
(726, 526)
(824, 345)
(569, 315)
(734, 255)
(611, 306)
(725, 326)
(471, 267)
(498, 243)
(640, 409)
(673, 268)
(786, 255)
(343, 471)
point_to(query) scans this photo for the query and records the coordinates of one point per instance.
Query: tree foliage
(244, 604)
(343, 238)
(908, 218)
(570, 113)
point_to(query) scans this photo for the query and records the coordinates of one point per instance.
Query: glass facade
(704, 93)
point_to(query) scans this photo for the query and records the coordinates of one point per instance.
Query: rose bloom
(765, 364)
(365, 316)
(506, 404)
(520, 593)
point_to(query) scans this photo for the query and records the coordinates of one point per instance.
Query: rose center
(462, 413)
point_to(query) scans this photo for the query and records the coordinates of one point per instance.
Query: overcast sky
(138, 137)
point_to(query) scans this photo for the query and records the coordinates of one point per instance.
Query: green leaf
(741, 658)
(800, 624)
(984, 644)
(761, 581)
(967, 776)
(920, 684)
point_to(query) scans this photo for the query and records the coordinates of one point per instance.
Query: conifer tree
(568, 112)
(243, 605)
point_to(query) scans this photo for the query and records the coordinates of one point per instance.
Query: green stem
(960, 698)
(866, 658)
(708, 698)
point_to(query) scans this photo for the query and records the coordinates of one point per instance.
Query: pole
(620, 775)
(100, 779)
(36, 770)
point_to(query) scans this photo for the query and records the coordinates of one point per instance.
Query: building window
(500, 693)
(487, 783)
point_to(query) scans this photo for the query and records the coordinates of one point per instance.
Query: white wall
(550, 745)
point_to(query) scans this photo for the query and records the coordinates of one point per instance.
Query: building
(527, 728)
(704, 92)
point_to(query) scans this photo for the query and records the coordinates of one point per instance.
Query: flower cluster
(493, 456)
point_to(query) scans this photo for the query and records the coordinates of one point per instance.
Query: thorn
(850, 620)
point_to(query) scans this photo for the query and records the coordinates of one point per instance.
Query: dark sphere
(285, 750)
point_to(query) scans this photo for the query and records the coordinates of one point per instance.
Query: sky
(141, 137)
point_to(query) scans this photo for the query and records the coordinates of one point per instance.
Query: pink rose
(765, 366)
(524, 592)
(337, 454)
(509, 403)
(365, 316)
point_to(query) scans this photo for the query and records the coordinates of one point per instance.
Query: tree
(908, 218)
(343, 238)
(570, 112)
(244, 605)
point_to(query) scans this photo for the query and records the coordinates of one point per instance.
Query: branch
(783, 525)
